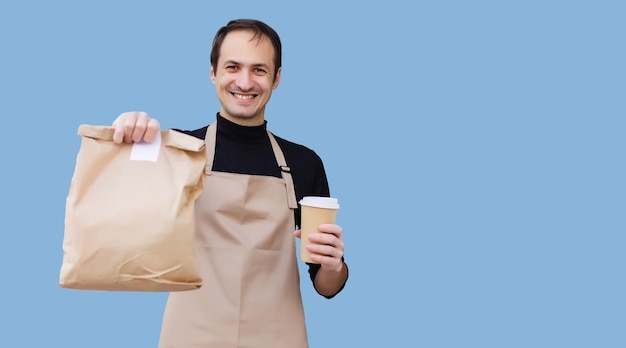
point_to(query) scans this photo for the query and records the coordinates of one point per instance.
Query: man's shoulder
(199, 133)
(288, 145)
(299, 156)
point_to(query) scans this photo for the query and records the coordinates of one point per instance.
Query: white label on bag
(146, 151)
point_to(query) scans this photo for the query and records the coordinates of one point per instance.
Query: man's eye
(259, 71)
(231, 67)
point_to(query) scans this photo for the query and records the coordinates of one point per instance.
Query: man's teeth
(241, 96)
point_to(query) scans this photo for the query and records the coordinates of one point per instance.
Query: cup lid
(320, 202)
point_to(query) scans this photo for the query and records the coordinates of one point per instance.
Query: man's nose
(244, 81)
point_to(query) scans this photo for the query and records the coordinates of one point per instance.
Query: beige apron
(246, 254)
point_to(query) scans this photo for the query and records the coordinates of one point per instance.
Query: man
(247, 213)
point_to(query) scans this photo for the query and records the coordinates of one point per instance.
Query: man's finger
(152, 129)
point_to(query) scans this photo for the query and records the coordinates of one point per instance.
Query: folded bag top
(129, 218)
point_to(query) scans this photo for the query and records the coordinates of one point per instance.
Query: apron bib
(246, 254)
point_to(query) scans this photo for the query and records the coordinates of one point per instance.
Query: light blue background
(476, 147)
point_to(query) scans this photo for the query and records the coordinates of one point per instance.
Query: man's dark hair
(258, 29)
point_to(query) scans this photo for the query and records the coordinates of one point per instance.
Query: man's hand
(326, 247)
(134, 127)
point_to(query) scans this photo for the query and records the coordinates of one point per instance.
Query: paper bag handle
(169, 138)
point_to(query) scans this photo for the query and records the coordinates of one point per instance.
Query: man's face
(244, 77)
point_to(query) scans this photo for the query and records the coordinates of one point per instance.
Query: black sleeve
(309, 180)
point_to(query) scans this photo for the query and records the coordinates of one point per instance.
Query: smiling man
(245, 76)
(247, 216)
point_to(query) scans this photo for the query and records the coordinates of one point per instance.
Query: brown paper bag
(129, 219)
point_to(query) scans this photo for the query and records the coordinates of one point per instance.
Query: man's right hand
(134, 127)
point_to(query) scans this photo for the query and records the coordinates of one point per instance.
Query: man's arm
(328, 283)
(326, 248)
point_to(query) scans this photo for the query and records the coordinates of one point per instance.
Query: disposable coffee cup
(315, 211)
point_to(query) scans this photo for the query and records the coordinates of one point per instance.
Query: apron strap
(285, 171)
(209, 140)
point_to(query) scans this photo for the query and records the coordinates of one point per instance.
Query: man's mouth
(244, 96)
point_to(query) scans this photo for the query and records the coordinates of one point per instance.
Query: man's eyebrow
(230, 61)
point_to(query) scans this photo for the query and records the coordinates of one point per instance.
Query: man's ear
(277, 78)
(212, 73)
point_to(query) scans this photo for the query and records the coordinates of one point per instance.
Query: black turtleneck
(247, 150)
